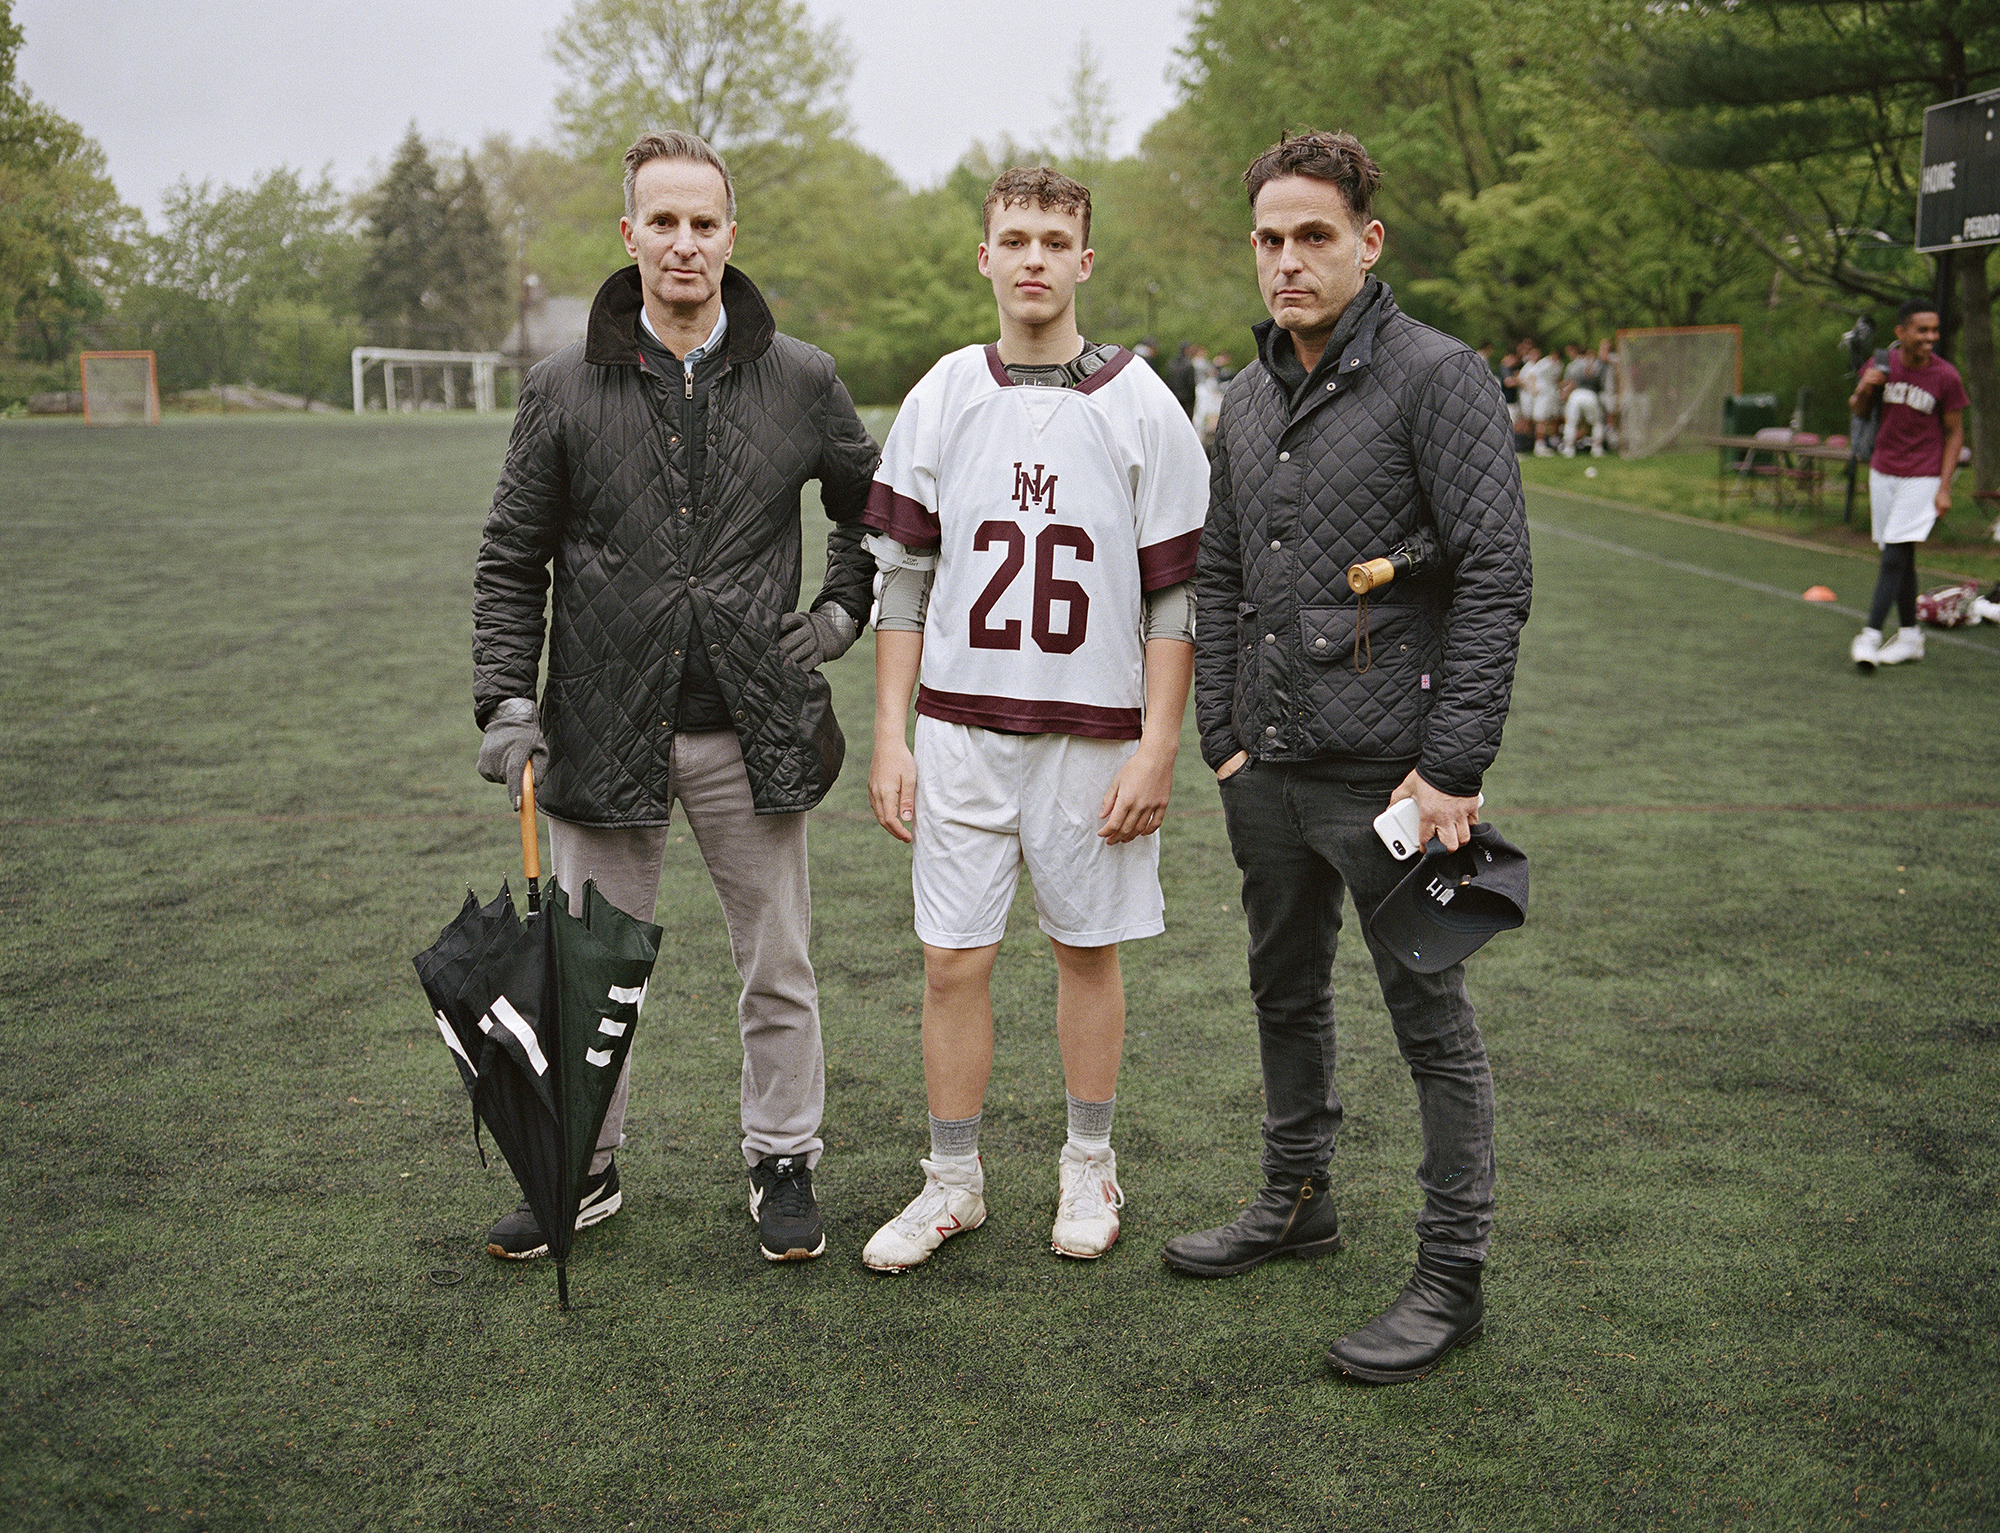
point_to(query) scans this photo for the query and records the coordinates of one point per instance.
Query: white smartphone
(1398, 825)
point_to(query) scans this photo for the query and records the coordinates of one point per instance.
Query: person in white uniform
(1036, 518)
(1541, 394)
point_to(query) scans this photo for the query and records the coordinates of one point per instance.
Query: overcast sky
(226, 89)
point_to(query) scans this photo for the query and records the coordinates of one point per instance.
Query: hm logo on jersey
(1040, 489)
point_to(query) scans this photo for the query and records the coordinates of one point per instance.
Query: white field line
(1933, 636)
(1759, 533)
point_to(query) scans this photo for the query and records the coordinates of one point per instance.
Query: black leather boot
(1439, 1307)
(1291, 1216)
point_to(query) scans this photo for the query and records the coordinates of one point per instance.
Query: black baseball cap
(1451, 902)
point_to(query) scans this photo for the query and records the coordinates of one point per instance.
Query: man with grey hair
(650, 498)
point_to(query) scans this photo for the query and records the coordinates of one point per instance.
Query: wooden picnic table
(1792, 464)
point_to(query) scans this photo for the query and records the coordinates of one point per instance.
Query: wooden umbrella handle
(1370, 576)
(531, 841)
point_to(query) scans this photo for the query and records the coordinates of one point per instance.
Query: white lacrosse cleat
(1866, 650)
(1908, 644)
(1087, 1207)
(953, 1201)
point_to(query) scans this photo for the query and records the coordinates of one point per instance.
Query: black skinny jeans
(1300, 842)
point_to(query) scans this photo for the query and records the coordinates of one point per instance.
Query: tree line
(1555, 168)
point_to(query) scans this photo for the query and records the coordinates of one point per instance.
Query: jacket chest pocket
(1370, 664)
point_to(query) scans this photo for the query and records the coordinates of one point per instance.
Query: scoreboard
(1958, 197)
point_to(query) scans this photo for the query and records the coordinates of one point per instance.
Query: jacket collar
(612, 337)
(1355, 331)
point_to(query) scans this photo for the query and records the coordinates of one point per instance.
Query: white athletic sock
(955, 1138)
(1090, 1122)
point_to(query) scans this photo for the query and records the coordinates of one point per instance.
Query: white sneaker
(1866, 649)
(1087, 1208)
(1543, 450)
(950, 1203)
(1568, 449)
(1908, 644)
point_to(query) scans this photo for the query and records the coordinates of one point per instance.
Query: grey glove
(810, 639)
(512, 740)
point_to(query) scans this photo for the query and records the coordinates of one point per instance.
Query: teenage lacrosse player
(1036, 519)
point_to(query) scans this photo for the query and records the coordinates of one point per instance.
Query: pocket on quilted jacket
(1367, 678)
(1363, 637)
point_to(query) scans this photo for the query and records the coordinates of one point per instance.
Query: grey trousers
(758, 866)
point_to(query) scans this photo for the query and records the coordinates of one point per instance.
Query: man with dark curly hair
(1357, 431)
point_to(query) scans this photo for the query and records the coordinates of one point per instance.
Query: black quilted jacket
(598, 481)
(1406, 430)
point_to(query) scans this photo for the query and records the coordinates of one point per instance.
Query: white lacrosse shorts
(990, 803)
(1901, 510)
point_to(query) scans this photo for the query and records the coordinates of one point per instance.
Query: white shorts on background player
(1901, 510)
(989, 803)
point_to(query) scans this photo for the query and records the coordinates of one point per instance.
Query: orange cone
(1820, 593)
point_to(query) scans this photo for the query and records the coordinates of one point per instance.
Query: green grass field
(1961, 546)
(1746, 1051)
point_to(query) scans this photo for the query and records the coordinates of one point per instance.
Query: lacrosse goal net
(120, 388)
(1672, 383)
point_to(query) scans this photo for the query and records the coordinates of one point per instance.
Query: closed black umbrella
(539, 1016)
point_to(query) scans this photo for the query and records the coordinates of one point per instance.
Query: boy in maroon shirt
(1909, 478)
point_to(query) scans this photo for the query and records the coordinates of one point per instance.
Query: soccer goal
(1672, 383)
(425, 380)
(120, 388)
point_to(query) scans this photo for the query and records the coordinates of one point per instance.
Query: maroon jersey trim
(1023, 717)
(908, 521)
(1169, 563)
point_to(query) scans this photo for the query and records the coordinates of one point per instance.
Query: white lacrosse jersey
(1051, 512)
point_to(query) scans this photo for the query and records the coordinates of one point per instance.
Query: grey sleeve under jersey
(1170, 612)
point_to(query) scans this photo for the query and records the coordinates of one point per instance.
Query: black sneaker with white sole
(789, 1227)
(518, 1236)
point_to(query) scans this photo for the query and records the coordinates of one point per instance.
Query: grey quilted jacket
(1405, 430)
(654, 546)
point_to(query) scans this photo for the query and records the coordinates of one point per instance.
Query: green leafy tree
(281, 253)
(1173, 249)
(1814, 113)
(473, 272)
(1084, 121)
(1596, 234)
(399, 295)
(922, 297)
(757, 79)
(438, 274)
(64, 236)
(556, 216)
(1422, 86)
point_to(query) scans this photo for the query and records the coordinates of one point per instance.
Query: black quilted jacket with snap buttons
(668, 511)
(1406, 430)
